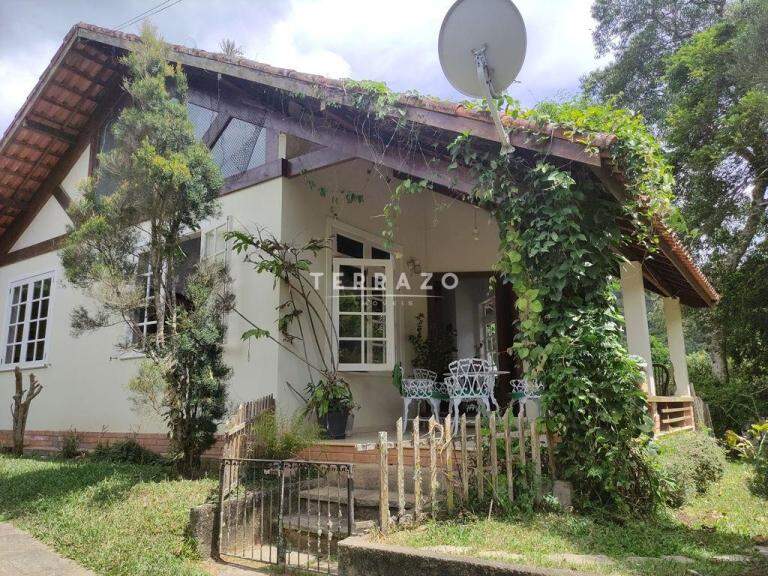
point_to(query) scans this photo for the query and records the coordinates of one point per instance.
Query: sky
(394, 41)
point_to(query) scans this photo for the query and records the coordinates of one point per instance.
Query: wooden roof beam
(316, 160)
(82, 95)
(46, 130)
(85, 75)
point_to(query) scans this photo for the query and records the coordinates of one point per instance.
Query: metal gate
(285, 512)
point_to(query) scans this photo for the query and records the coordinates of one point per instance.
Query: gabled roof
(81, 84)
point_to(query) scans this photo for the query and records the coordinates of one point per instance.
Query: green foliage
(371, 96)
(728, 519)
(195, 394)
(559, 247)
(114, 519)
(640, 34)
(329, 396)
(692, 462)
(717, 88)
(432, 353)
(304, 322)
(276, 437)
(596, 406)
(125, 452)
(733, 406)
(70, 445)
(753, 448)
(166, 184)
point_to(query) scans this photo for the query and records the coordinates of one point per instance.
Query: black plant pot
(335, 423)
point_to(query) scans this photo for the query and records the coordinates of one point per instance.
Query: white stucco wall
(433, 229)
(85, 379)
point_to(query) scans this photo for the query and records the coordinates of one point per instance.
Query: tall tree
(640, 34)
(717, 132)
(165, 183)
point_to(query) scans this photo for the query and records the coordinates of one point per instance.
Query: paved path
(23, 555)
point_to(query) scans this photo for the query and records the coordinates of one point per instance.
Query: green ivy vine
(560, 246)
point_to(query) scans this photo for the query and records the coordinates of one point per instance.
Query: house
(290, 172)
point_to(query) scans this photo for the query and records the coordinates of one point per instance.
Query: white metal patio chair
(471, 379)
(420, 387)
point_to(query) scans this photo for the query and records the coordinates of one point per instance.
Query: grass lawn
(723, 521)
(112, 518)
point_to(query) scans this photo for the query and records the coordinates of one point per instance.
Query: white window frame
(147, 274)
(335, 261)
(29, 281)
(214, 232)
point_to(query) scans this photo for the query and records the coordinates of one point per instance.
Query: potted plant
(331, 400)
(305, 323)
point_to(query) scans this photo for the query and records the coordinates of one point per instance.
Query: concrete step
(367, 478)
(366, 502)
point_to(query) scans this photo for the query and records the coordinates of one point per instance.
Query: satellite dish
(482, 48)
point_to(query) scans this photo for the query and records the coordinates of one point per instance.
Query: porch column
(636, 319)
(674, 321)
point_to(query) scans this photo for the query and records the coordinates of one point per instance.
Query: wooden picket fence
(461, 467)
(237, 430)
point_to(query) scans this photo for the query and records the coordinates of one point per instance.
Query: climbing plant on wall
(560, 247)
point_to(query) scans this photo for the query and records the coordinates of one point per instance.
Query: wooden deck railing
(671, 413)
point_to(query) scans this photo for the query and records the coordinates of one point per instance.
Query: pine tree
(166, 183)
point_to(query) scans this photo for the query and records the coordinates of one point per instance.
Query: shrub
(691, 462)
(275, 437)
(127, 452)
(753, 448)
(599, 411)
(70, 445)
(735, 404)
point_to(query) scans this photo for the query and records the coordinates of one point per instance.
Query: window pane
(41, 326)
(30, 355)
(36, 289)
(378, 254)
(351, 277)
(107, 182)
(46, 287)
(375, 326)
(376, 352)
(349, 301)
(234, 149)
(259, 156)
(374, 301)
(201, 119)
(350, 326)
(8, 354)
(40, 350)
(349, 247)
(16, 293)
(350, 351)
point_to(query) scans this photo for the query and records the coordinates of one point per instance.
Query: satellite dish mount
(484, 78)
(482, 47)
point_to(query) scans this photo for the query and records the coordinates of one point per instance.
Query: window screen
(240, 147)
(201, 119)
(107, 183)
